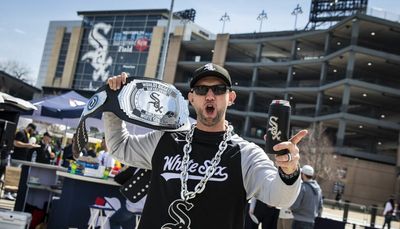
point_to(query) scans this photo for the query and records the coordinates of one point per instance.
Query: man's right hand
(116, 82)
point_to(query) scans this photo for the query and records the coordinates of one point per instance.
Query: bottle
(59, 158)
(278, 125)
(34, 155)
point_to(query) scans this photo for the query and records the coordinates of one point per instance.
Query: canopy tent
(63, 109)
(66, 109)
(68, 105)
(7, 101)
(10, 109)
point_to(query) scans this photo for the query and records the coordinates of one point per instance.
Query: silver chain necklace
(185, 193)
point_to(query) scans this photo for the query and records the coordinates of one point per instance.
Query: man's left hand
(289, 162)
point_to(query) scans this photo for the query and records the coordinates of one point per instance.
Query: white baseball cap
(307, 170)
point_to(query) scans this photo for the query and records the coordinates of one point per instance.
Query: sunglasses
(219, 89)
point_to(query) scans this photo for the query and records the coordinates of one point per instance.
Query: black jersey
(244, 171)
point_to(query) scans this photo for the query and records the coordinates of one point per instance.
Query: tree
(317, 151)
(16, 69)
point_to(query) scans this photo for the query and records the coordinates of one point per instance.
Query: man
(22, 145)
(45, 152)
(104, 157)
(202, 178)
(308, 204)
(67, 154)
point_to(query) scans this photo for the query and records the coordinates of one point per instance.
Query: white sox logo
(177, 211)
(99, 60)
(172, 170)
(273, 129)
(156, 102)
(209, 67)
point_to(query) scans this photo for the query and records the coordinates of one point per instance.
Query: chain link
(185, 193)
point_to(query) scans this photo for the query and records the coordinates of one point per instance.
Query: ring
(289, 157)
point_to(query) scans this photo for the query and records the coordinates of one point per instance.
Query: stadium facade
(344, 77)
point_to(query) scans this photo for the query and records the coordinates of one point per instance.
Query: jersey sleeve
(134, 150)
(262, 181)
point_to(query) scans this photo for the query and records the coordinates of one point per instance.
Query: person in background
(308, 204)
(45, 152)
(88, 151)
(260, 213)
(285, 219)
(22, 145)
(388, 212)
(67, 153)
(105, 159)
(338, 199)
(133, 207)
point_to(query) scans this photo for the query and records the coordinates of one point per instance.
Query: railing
(376, 12)
(356, 215)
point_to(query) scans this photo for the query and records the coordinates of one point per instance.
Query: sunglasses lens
(219, 89)
(216, 89)
(201, 90)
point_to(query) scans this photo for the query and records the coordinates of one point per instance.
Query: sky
(24, 23)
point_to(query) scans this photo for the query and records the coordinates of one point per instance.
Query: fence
(356, 215)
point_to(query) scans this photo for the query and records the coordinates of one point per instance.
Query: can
(278, 125)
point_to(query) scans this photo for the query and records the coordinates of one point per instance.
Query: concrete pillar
(350, 65)
(355, 30)
(254, 79)
(220, 49)
(72, 57)
(345, 98)
(154, 52)
(172, 58)
(289, 77)
(320, 97)
(327, 45)
(293, 51)
(340, 133)
(55, 54)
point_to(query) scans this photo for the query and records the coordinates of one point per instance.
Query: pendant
(177, 211)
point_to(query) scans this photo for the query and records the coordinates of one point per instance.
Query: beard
(209, 121)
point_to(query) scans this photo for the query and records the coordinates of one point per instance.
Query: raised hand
(116, 82)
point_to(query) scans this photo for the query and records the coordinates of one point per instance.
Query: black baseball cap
(211, 69)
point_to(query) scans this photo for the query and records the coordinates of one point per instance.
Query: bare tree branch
(16, 69)
(318, 152)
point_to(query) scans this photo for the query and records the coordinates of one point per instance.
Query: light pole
(261, 17)
(296, 12)
(165, 44)
(224, 19)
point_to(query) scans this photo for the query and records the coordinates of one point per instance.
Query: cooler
(14, 219)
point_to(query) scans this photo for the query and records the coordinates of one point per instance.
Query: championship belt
(145, 102)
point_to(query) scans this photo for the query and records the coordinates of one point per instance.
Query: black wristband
(289, 179)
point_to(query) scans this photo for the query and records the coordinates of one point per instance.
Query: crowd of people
(45, 148)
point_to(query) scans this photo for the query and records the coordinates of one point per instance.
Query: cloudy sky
(24, 23)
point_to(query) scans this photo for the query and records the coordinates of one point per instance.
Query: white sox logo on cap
(209, 67)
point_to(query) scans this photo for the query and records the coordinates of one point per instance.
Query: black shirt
(43, 153)
(21, 153)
